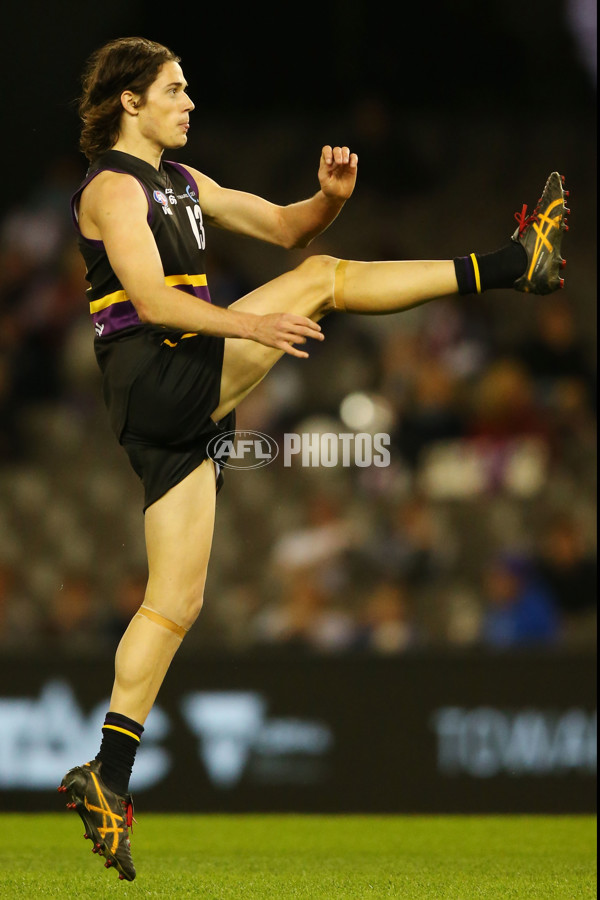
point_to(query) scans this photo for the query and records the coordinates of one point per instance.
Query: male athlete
(175, 366)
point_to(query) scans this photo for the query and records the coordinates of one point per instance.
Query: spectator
(518, 608)
(325, 537)
(461, 336)
(308, 617)
(568, 569)
(505, 405)
(433, 411)
(555, 351)
(386, 624)
(407, 546)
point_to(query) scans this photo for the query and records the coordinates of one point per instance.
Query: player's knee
(319, 270)
(185, 605)
(192, 607)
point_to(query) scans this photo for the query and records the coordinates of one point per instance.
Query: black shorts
(160, 409)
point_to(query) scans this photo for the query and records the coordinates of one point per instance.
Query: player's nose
(189, 105)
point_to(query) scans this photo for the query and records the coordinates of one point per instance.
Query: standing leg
(179, 529)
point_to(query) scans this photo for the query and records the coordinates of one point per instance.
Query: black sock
(120, 740)
(482, 271)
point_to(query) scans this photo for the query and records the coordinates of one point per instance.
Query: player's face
(164, 117)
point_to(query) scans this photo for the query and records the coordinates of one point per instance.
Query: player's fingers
(289, 348)
(313, 327)
(354, 160)
(303, 321)
(297, 331)
(327, 154)
(311, 333)
(345, 155)
(337, 155)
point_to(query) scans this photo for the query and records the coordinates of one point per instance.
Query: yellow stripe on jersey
(121, 296)
(176, 280)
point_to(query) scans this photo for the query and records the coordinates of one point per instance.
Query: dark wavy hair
(125, 64)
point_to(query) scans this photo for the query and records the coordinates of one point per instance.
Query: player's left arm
(294, 225)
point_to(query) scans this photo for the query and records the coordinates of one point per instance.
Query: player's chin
(177, 141)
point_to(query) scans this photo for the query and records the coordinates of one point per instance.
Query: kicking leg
(318, 286)
(530, 262)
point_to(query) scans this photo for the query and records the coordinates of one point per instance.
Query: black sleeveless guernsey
(175, 219)
(160, 385)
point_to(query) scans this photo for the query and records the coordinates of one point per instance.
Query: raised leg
(318, 286)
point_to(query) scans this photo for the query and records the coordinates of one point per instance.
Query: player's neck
(150, 153)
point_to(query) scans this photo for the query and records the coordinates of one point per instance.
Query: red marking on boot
(563, 263)
(562, 282)
(121, 877)
(108, 864)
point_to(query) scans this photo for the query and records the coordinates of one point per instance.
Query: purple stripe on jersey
(115, 317)
(200, 291)
(124, 315)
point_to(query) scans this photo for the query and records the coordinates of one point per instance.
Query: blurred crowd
(480, 532)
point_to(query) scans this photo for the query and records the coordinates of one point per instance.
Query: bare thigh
(305, 291)
(179, 531)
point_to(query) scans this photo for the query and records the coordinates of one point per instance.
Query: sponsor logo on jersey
(191, 194)
(162, 199)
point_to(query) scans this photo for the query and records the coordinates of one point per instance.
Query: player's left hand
(337, 172)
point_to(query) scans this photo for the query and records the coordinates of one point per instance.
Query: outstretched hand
(337, 172)
(284, 330)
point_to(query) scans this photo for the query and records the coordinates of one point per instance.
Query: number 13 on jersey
(195, 217)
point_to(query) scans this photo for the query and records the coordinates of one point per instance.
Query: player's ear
(130, 102)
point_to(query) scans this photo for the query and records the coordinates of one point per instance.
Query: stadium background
(436, 618)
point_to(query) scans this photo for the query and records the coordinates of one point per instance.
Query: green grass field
(312, 857)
